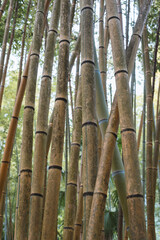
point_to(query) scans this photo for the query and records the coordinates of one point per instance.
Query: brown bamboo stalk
(2, 8)
(89, 123)
(8, 56)
(79, 215)
(133, 181)
(13, 122)
(101, 47)
(131, 52)
(101, 187)
(149, 170)
(5, 38)
(70, 204)
(120, 223)
(23, 44)
(41, 129)
(55, 167)
(27, 136)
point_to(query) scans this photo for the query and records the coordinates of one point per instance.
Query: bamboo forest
(79, 119)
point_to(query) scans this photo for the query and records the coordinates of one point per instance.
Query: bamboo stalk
(5, 38)
(133, 182)
(89, 123)
(149, 164)
(55, 167)
(72, 15)
(70, 204)
(23, 44)
(101, 47)
(37, 189)
(8, 56)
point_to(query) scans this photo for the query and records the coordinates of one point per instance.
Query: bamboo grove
(79, 119)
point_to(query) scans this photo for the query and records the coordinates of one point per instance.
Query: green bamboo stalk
(149, 164)
(5, 37)
(133, 181)
(89, 123)
(41, 129)
(55, 167)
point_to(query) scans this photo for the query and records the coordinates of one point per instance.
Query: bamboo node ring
(15, 117)
(114, 134)
(71, 228)
(87, 7)
(76, 144)
(73, 184)
(34, 54)
(43, 132)
(55, 167)
(64, 40)
(138, 195)
(113, 18)
(26, 170)
(5, 162)
(101, 46)
(46, 76)
(128, 130)
(87, 194)
(103, 121)
(89, 123)
(1, 10)
(121, 71)
(101, 193)
(77, 224)
(61, 98)
(117, 173)
(87, 61)
(29, 107)
(136, 34)
(52, 30)
(37, 195)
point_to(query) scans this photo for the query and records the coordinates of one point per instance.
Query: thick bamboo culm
(101, 187)
(70, 204)
(2, 8)
(27, 135)
(54, 175)
(37, 189)
(8, 56)
(117, 166)
(132, 172)
(89, 122)
(149, 171)
(5, 38)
